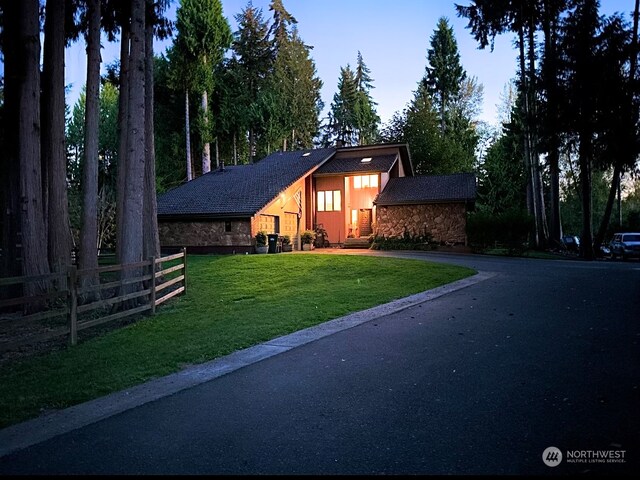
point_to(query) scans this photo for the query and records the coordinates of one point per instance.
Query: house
(351, 192)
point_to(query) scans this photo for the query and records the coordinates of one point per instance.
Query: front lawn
(232, 302)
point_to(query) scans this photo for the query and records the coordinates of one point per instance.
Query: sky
(393, 37)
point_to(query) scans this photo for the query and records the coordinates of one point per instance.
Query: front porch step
(356, 243)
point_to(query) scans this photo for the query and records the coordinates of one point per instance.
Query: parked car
(571, 242)
(625, 245)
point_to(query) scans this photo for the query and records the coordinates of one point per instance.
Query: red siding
(333, 222)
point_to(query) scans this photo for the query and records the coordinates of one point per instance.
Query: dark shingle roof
(378, 163)
(240, 190)
(428, 189)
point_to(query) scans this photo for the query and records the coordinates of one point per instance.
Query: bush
(308, 236)
(406, 242)
(261, 239)
(286, 239)
(509, 229)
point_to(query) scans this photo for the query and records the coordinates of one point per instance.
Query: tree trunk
(604, 224)
(206, 150)
(618, 162)
(586, 241)
(33, 234)
(553, 158)
(151, 238)
(88, 257)
(541, 222)
(235, 149)
(53, 137)
(217, 153)
(251, 140)
(123, 115)
(132, 248)
(10, 158)
(531, 197)
(188, 135)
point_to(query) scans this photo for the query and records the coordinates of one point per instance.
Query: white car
(625, 245)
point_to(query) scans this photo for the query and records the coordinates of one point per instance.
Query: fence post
(152, 287)
(73, 303)
(184, 270)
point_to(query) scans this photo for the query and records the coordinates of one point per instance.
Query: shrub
(286, 239)
(509, 229)
(308, 236)
(261, 239)
(406, 242)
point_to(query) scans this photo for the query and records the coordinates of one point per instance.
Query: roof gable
(377, 163)
(241, 190)
(459, 187)
(383, 157)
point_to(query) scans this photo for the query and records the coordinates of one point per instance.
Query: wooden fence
(80, 299)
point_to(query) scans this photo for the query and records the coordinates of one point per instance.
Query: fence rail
(90, 297)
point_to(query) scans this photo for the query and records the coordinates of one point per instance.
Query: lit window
(365, 181)
(329, 201)
(337, 201)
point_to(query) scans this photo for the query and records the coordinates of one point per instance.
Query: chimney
(339, 143)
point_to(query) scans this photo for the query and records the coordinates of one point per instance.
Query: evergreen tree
(203, 37)
(444, 73)
(253, 62)
(296, 94)
(353, 118)
(341, 123)
(366, 118)
(579, 43)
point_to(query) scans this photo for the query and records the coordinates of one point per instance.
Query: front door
(364, 222)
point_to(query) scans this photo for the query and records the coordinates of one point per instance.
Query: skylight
(306, 154)
(365, 160)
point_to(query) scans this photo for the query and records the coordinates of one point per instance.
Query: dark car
(571, 242)
(625, 245)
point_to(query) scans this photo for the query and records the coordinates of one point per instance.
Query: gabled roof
(459, 187)
(383, 157)
(243, 190)
(378, 163)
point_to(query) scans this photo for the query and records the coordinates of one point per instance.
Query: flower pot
(262, 248)
(307, 247)
(287, 248)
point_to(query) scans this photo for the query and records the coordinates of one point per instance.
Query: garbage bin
(273, 242)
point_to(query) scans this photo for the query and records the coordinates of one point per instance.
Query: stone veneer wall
(445, 222)
(205, 234)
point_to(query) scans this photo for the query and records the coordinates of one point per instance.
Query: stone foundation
(445, 222)
(205, 234)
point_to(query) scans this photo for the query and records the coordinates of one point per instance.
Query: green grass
(232, 302)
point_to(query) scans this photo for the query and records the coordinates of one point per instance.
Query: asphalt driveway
(479, 381)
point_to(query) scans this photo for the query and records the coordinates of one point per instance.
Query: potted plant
(261, 242)
(307, 237)
(286, 243)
